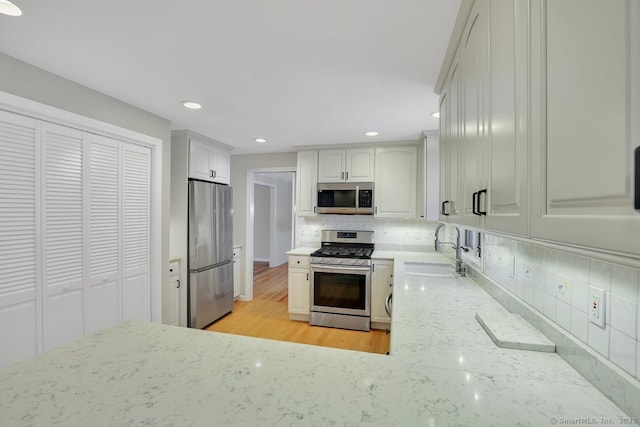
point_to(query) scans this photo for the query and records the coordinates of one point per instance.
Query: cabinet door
(136, 205)
(201, 158)
(221, 167)
(306, 180)
(62, 235)
(508, 178)
(473, 56)
(21, 333)
(381, 287)
(237, 278)
(396, 181)
(103, 299)
(299, 290)
(331, 165)
(586, 123)
(450, 147)
(174, 294)
(359, 165)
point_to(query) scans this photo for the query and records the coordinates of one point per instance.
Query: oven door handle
(329, 268)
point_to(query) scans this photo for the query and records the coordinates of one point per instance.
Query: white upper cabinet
(351, 165)
(473, 77)
(450, 147)
(507, 201)
(395, 192)
(306, 180)
(207, 161)
(585, 124)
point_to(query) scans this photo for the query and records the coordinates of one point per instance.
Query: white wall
(281, 235)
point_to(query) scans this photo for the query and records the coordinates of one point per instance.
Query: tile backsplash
(560, 285)
(390, 234)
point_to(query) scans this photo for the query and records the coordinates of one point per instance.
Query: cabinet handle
(307, 277)
(637, 173)
(210, 173)
(474, 204)
(342, 176)
(376, 210)
(214, 174)
(178, 285)
(347, 175)
(443, 210)
(481, 192)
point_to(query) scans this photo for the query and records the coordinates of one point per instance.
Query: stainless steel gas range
(341, 280)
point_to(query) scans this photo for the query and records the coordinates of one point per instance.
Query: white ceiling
(297, 72)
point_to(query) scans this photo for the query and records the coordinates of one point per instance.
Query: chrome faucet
(460, 269)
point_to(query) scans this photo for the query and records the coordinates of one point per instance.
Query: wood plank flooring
(267, 316)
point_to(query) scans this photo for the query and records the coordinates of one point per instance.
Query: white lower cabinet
(381, 288)
(299, 284)
(174, 293)
(237, 271)
(74, 237)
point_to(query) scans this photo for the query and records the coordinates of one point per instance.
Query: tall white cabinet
(75, 235)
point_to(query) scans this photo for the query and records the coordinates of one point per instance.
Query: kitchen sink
(428, 268)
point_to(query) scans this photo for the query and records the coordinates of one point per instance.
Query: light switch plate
(597, 305)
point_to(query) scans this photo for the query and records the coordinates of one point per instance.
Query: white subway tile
(563, 314)
(550, 303)
(598, 339)
(624, 281)
(638, 359)
(538, 298)
(622, 351)
(580, 296)
(624, 315)
(600, 274)
(579, 324)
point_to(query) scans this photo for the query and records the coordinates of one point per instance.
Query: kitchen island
(443, 370)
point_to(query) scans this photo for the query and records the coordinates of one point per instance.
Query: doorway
(270, 220)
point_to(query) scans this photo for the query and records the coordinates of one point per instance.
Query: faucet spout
(460, 269)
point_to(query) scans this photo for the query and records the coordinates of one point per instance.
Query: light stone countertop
(302, 251)
(443, 370)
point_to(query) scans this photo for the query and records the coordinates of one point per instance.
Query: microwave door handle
(357, 197)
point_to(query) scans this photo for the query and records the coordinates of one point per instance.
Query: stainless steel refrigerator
(210, 286)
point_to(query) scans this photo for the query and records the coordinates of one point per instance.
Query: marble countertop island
(443, 370)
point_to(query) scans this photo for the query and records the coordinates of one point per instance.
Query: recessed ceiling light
(260, 140)
(192, 105)
(371, 133)
(436, 114)
(8, 8)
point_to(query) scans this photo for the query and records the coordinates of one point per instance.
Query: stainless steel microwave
(349, 198)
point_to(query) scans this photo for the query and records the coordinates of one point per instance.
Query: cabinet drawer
(174, 269)
(298, 261)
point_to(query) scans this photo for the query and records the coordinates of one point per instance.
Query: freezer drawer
(210, 295)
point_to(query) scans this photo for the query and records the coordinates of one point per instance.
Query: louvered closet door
(136, 195)
(62, 235)
(103, 233)
(19, 241)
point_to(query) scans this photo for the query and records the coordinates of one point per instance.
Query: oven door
(341, 290)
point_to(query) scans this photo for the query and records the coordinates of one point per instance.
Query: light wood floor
(267, 316)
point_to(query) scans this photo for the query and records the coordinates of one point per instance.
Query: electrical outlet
(597, 306)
